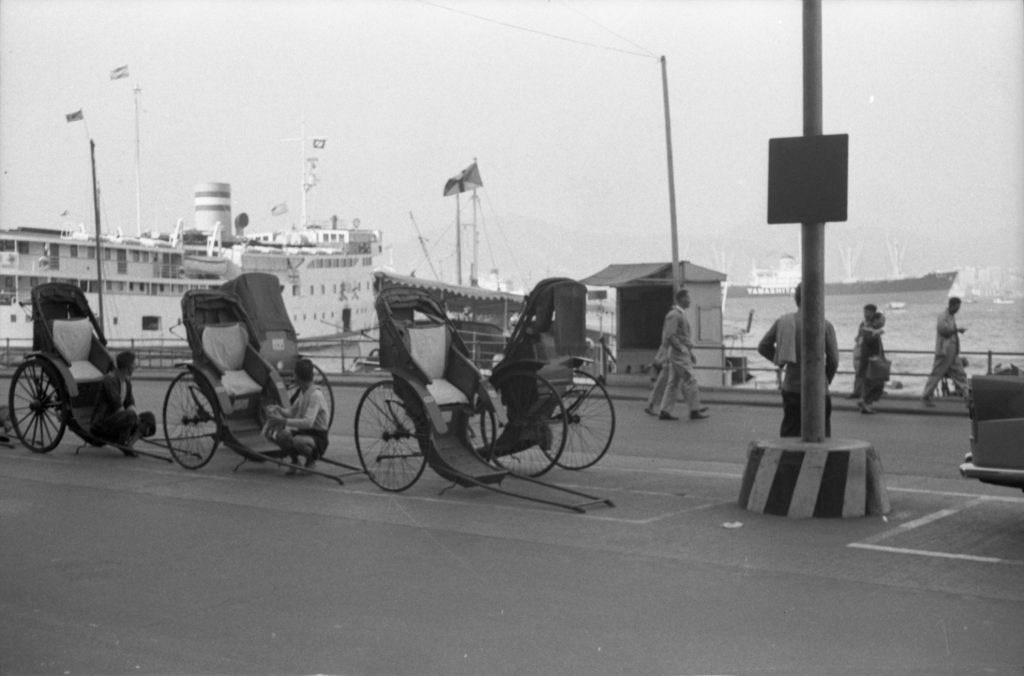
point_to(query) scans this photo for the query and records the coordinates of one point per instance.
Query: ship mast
(138, 170)
(99, 241)
(307, 179)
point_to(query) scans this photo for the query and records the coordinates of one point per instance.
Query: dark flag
(75, 116)
(467, 179)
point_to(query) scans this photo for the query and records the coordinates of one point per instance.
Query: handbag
(878, 368)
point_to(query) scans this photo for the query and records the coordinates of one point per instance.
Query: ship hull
(932, 287)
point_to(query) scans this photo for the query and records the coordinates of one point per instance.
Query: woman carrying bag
(873, 367)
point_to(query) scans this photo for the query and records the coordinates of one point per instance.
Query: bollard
(837, 478)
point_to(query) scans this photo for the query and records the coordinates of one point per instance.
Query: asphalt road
(110, 565)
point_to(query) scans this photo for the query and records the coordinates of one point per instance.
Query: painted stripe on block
(754, 453)
(805, 494)
(786, 474)
(855, 497)
(877, 497)
(763, 479)
(833, 486)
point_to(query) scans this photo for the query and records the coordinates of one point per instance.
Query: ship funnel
(213, 205)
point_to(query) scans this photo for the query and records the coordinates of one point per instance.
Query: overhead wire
(539, 32)
(609, 30)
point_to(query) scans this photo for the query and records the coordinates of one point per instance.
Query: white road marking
(940, 555)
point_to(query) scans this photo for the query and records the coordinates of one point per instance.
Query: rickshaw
(56, 387)
(260, 295)
(549, 342)
(222, 394)
(438, 409)
(996, 405)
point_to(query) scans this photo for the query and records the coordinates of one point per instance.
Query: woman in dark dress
(870, 346)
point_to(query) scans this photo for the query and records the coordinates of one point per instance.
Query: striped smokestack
(213, 203)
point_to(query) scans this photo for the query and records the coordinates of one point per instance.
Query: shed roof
(646, 274)
(446, 290)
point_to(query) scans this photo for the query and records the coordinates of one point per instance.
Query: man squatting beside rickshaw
(115, 418)
(301, 429)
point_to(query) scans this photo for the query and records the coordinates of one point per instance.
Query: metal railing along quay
(743, 367)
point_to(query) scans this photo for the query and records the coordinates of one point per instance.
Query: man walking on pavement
(947, 352)
(677, 347)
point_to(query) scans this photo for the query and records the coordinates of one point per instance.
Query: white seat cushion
(85, 372)
(225, 346)
(445, 393)
(73, 340)
(429, 347)
(239, 384)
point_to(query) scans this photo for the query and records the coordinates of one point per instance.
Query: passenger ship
(326, 270)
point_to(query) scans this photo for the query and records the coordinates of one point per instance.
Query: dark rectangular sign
(807, 179)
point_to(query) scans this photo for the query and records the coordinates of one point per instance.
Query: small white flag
(119, 73)
(279, 209)
(319, 142)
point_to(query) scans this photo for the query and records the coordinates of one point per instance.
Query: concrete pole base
(837, 478)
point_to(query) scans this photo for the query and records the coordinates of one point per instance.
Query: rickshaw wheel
(38, 403)
(389, 438)
(191, 422)
(591, 422)
(320, 380)
(534, 435)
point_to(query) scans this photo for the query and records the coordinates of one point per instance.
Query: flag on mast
(468, 179)
(75, 116)
(119, 73)
(279, 209)
(319, 142)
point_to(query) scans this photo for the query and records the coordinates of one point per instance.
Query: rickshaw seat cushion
(444, 393)
(225, 345)
(73, 340)
(429, 346)
(239, 384)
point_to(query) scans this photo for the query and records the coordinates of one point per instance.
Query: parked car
(996, 404)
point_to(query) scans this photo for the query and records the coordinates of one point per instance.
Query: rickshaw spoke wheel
(321, 381)
(534, 435)
(389, 440)
(191, 422)
(591, 422)
(37, 403)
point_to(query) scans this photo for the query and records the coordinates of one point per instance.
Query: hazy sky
(560, 101)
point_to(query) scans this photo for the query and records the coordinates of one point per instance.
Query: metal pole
(138, 170)
(458, 243)
(813, 385)
(676, 275)
(99, 254)
(302, 174)
(474, 273)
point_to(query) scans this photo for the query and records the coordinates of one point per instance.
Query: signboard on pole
(807, 179)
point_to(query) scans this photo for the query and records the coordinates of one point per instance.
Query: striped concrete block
(838, 478)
